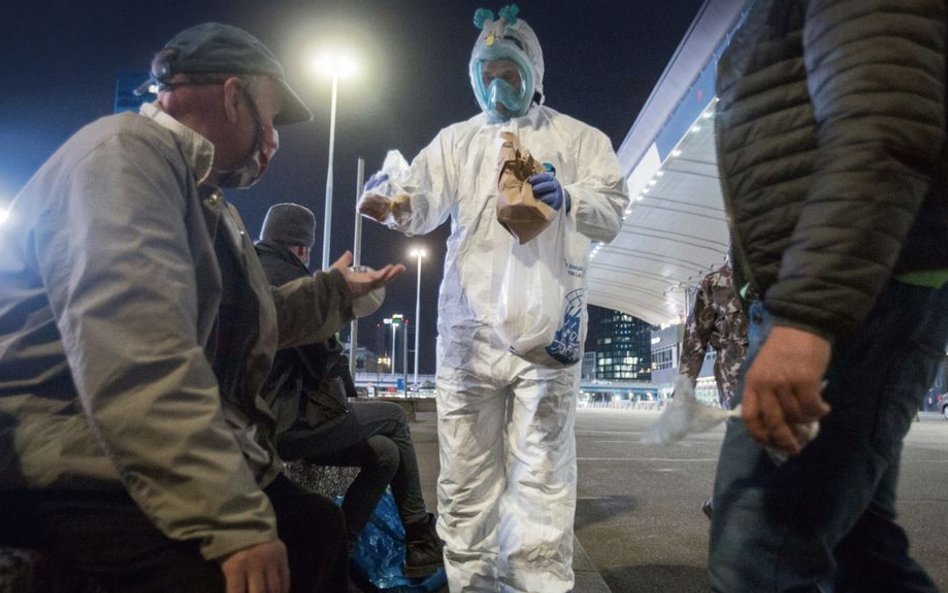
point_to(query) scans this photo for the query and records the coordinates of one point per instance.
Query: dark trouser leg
(378, 457)
(874, 557)
(107, 538)
(312, 528)
(793, 516)
(388, 420)
(347, 444)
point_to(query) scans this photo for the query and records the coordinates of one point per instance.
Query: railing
(624, 404)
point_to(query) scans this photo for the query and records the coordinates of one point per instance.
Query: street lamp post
(327, 213)
(405, 357)
(395, 320)
(356, 261)
(336, 66)
(418, 253)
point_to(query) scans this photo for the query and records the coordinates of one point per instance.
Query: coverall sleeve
(113, 252)
(432, 186)
(599, 196)
(876, 79)
(698, 330)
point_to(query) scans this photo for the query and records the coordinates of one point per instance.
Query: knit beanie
(290, 224)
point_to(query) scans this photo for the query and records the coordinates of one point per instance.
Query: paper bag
(518, 210)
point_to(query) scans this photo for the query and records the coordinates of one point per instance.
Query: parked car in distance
(943, 405)
(425, 388)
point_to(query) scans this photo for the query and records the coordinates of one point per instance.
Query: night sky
(59, 61)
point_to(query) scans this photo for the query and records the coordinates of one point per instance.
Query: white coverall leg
(507, 489)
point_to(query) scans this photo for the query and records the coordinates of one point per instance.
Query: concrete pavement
(639, 525)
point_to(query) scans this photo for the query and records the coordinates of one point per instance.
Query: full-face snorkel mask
(506, 38)
(499, 99)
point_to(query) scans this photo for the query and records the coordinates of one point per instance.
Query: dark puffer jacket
(831, 147)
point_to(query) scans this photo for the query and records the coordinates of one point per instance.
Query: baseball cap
(216, 48)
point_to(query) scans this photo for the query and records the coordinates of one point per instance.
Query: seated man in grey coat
(136, 329)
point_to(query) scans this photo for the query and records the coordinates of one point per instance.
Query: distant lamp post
(395, 321)
(336, 65)
(419, 253)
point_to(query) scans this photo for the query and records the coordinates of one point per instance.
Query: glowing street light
(335, 65)
(417, 252)
(395, 321)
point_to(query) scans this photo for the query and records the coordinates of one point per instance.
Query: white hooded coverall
(507, 489)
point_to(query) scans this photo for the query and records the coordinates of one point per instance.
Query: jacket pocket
(326, 404)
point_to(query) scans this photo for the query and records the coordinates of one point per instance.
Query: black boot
(424, 550)
(708, 507)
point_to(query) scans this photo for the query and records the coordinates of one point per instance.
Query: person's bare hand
(361, 283)
(782, 388)
(375, 206)
(258, 569)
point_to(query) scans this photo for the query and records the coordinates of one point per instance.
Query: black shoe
(424, 550)
(708, 507)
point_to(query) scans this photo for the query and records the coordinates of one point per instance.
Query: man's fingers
(544, 188)
(385, 275)
(343, 262)
(285, 578)
(262, 568)
(812, 405)
(540, 179)
(277, 580)
(765, 422)
(235, 583)
(392, 271)
(235, 576)
(753, 416)
(789, 404)
(361, 283)
(782, 437)
(257, 581)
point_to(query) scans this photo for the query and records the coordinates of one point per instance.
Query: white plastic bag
(542, 298)
(386, 181)
(384, 190)
(685, 415)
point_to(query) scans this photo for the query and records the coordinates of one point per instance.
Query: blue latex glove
(375, 180)
(547, 189)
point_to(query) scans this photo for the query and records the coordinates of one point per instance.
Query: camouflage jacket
(716, 320)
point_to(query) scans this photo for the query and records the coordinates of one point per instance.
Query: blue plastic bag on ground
(379, 553)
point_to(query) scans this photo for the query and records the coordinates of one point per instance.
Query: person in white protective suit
(507, 488)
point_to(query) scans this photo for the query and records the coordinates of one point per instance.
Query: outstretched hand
(782, 388)
(262, 568)
(361, 283)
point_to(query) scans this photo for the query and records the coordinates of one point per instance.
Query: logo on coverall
(565, 344)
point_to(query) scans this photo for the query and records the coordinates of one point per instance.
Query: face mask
(266, 144)
(504, 101)
(500, 100)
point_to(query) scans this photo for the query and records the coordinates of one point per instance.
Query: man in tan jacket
(136, 328)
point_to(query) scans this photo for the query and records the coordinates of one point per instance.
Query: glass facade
(623, 348)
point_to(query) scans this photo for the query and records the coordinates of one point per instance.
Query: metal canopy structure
(674, 230)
